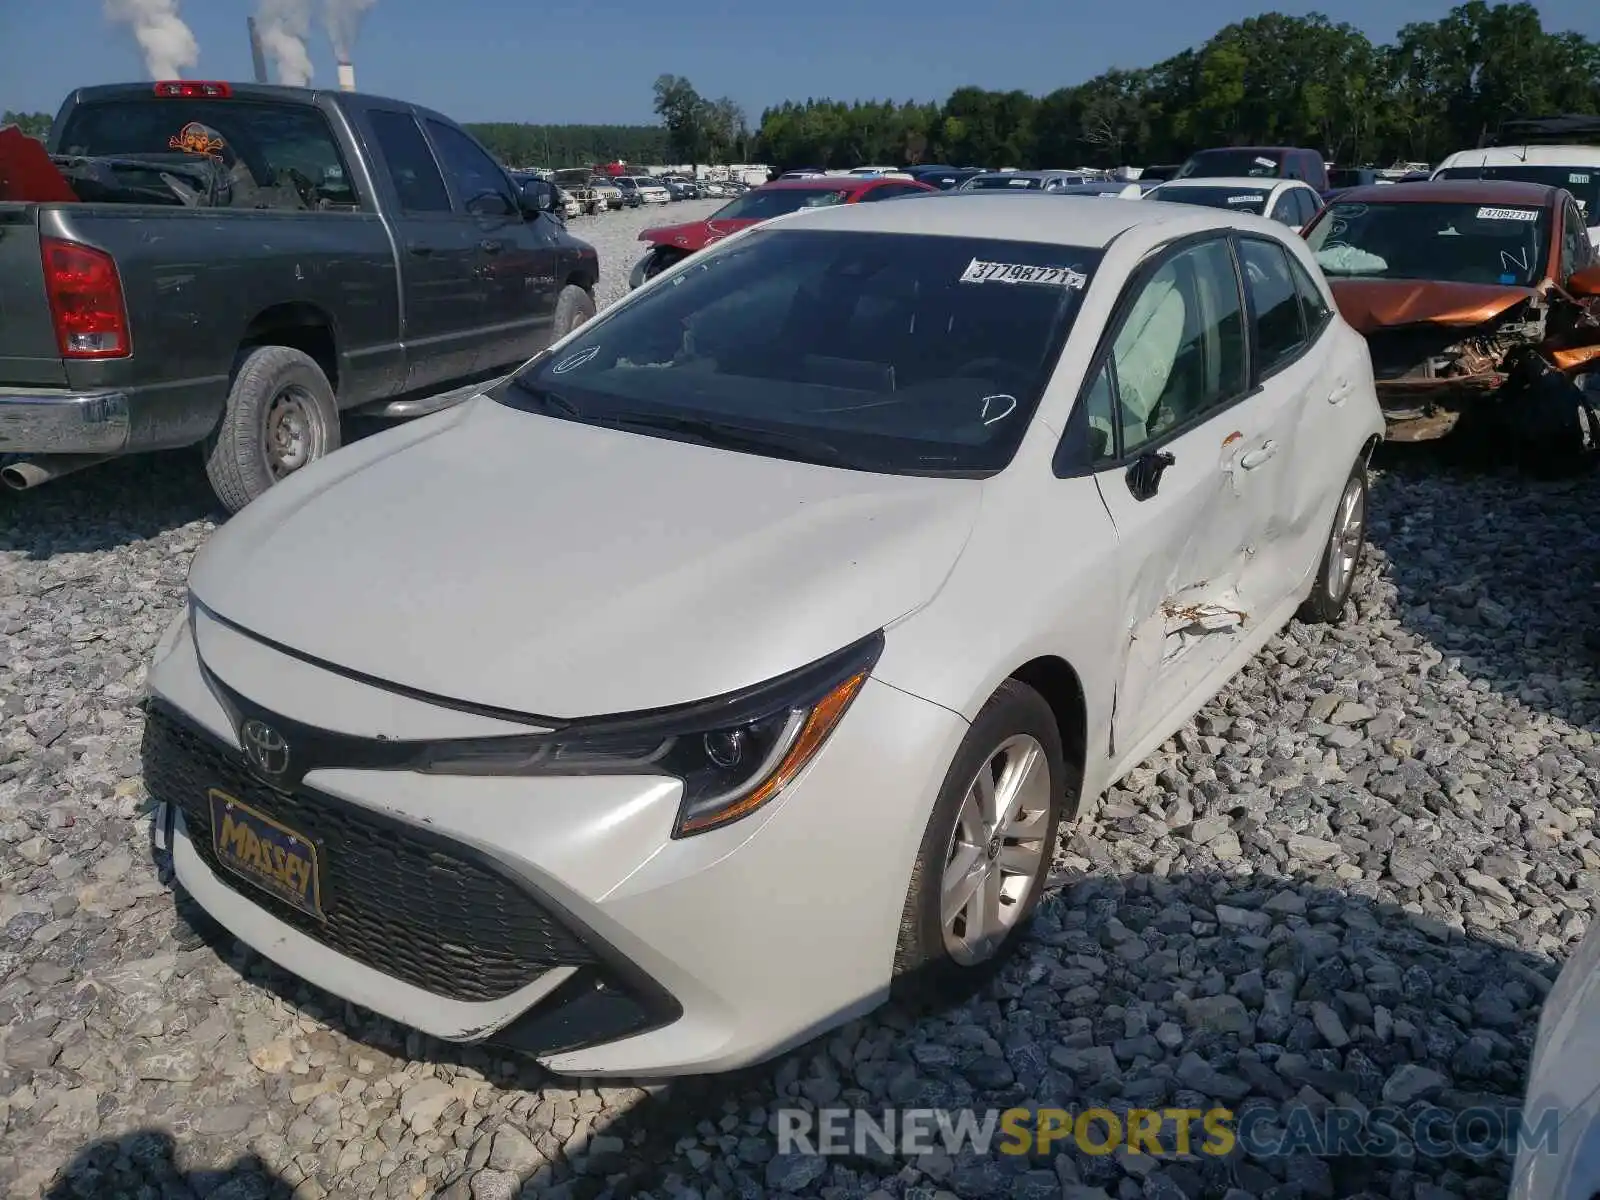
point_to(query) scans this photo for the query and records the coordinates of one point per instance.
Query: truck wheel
(573, 307)
(281, 415)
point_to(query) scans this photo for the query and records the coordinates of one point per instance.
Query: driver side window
(1179, 352)
(469, 168)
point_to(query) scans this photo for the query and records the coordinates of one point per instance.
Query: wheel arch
(305, 327)
(1058, 682)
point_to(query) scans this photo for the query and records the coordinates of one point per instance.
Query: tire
(1016, 718)
(281, 387)
(573, 307)
(1346, 544)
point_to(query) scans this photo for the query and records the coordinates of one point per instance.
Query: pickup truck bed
(353, 252)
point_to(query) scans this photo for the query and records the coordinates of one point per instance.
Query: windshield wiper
(729, 436)
(548, 401)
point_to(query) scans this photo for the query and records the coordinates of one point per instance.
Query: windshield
(900, 353)
(1002, 183)
(1582, 182)
(761, 204)
(1233, 199)
(1455, 243)
(1215, 164)
(267, 155)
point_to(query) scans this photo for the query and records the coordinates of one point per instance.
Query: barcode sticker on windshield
(1508, 214)
(979, 271)
(1577, 177)
(1265, 162)
(1245, 199)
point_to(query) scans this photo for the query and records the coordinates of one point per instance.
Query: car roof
(822, 183)
(1092, 223)
(1533, 156)
(1257, 183)
(1452, 191)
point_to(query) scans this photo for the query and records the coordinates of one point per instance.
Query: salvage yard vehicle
(1023, 181)
(1287, 201)
(1480, 300)
(1257, 162)
(234, 266)
(1573, 168)
(579, 183)
(670, 244)
(776, 744)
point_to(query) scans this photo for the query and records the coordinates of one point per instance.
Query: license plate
(266, 854)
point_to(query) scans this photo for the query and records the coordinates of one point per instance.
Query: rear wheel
(1341, 556)
(987, 847)
(281, 415)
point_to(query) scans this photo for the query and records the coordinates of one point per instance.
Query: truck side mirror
(489, 204)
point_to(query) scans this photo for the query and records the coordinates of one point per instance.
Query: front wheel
(573, 307)
(1342, 555)
(987, 847)
(280, 416)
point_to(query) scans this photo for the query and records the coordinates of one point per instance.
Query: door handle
(491, 246)
(420, 249)
(1341, 392)
(1256, 457)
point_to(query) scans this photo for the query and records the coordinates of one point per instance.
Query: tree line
(1269, 80)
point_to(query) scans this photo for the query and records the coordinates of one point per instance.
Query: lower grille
(414, 905)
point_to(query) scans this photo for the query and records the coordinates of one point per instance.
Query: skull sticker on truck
(195, 138)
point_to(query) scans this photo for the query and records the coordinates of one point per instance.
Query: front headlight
(734, 753)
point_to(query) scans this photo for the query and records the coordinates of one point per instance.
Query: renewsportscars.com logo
(1478, 1132)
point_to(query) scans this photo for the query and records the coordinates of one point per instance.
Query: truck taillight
(85, 300)
(179, 89)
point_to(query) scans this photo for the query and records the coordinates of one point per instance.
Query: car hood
(1369, 304)
(553, 568)
(694, 235)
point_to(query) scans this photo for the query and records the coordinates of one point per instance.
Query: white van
(1576, 168)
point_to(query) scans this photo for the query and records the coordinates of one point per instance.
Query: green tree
(35, 124)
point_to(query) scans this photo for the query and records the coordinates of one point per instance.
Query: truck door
(443, 295)
(517, 256)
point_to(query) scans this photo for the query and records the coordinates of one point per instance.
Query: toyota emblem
(265, 747)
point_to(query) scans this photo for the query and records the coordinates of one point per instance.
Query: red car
(669, 243)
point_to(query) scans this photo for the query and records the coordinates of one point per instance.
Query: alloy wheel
(995, 850)
(1349, 531)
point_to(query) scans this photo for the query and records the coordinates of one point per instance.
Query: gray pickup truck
(241, 264)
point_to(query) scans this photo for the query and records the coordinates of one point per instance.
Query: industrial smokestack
(347, 77)
(257, 55)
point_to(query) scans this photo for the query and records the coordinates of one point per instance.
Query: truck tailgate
(29, 356)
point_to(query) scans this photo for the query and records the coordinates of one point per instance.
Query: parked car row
(595, 192)
(1477, 297)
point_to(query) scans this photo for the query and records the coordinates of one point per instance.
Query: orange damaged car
(1480, 303)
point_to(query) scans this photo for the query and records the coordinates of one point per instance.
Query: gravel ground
(616, 236)
(1350, 880)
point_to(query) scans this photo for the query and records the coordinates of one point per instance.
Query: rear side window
(417, 182)
(1313, 307)
(1577, 251)
(1279, 321)
(226, 153)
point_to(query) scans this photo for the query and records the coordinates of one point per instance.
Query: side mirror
(1144, 475)
(1585, 283)
(490, 204)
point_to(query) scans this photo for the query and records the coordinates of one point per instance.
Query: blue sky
(562, 61)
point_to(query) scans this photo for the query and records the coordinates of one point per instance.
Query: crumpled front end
(1516, 369)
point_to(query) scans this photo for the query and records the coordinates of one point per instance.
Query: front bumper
(557, 916)
(46, 421)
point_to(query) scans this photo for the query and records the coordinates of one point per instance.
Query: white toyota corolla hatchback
(741, 655)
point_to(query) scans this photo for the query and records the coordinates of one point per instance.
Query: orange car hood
(1370, 304)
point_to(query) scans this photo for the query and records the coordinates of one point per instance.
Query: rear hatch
(29, 355)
